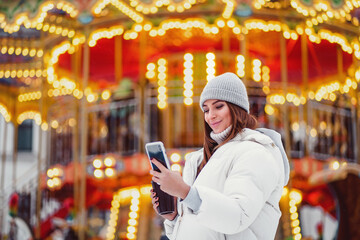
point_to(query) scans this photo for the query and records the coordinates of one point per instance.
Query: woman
(232, 187)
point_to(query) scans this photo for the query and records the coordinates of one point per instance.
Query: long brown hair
(240, 119)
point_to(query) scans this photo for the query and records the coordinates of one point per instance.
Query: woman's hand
(155, 203)
(169, 181)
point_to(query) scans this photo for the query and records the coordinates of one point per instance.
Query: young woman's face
(217, 115)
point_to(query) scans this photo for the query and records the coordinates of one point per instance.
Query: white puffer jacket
(240, 188)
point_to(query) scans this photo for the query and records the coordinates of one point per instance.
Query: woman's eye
(206, 111)
(219, 106)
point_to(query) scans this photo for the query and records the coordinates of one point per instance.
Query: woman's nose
(212, 114)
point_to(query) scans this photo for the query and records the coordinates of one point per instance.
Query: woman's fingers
(155, 179)
(159, 165)
(155, 203)
(152, 193)
(154, 200)
(155, 173)
(156, 176)
(155, 207)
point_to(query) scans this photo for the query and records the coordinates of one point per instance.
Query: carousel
(96, 80)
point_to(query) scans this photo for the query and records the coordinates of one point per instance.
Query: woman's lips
(215, 124)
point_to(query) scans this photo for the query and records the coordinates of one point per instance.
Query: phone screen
(154, 151)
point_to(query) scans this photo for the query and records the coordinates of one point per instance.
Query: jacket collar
(248, 134)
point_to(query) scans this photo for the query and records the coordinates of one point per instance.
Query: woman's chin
(216, 131)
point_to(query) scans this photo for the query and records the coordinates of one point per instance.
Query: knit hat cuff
(225, 95)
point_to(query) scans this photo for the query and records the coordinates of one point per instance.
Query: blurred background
(84, 84)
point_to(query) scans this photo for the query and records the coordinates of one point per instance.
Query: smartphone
(166, 202)
(157, 150)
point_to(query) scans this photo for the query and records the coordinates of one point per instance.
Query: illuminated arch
(131, 195)
(124, 8)
(5, 113)
(34, 115)
(24, 19)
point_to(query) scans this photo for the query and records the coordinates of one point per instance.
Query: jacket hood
(267, 136)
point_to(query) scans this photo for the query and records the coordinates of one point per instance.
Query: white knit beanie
(227, 87)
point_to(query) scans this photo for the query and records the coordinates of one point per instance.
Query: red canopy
(322, 58)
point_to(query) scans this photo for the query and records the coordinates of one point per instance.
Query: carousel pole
(142, 85)
(15, 148)
(40, 160)
(340, 67)
(357, 116)
(76, 61)
(226, 47)
(245, 53)
(284, 83)
(143, 228)
(357, 142)
(75, 147)
(354, 115)
(2, 186)
(83, 139)
(146, 213)
(341, 78)
(118, 59)
(305, 82)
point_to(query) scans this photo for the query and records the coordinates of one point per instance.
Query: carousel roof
(44, 39)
